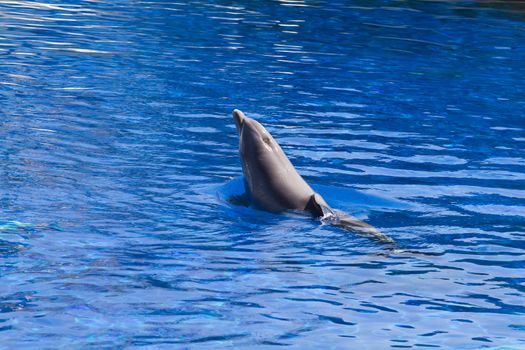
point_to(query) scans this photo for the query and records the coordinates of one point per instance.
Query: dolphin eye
(266, 140)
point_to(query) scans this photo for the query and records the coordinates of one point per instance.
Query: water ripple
(115, 137)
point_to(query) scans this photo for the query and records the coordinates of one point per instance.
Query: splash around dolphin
(273, 184)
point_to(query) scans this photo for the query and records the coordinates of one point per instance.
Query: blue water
(117, 145)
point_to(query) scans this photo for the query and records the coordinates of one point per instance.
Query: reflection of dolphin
(273, 184)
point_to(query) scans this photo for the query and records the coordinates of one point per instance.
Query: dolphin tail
(355, 225)
(320, 209)
(361, 227)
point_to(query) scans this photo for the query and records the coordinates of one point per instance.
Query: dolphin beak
(238, 117)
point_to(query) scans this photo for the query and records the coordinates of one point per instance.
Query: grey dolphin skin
(273, 184)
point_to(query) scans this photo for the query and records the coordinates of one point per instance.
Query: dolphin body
(273, 184)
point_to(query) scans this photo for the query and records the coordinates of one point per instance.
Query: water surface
(116, 135)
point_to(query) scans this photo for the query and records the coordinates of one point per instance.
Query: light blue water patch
(13, 225)
(345, 198)
(233, 187)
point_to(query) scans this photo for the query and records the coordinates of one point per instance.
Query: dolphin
(273, 184)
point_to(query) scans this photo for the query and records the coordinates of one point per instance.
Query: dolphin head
(255, 141)
(270, 179)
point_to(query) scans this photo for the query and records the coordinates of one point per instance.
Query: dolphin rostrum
(272, 183)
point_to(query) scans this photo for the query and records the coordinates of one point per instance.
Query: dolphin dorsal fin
(318, 207)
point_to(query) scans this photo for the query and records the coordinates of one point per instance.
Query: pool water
(118, 149)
